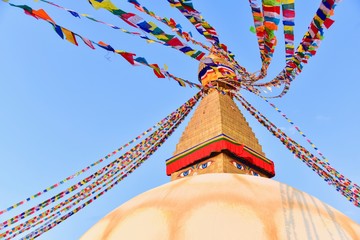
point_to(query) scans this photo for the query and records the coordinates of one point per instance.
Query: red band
(217, 147)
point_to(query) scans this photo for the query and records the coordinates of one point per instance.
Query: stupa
(221, 186)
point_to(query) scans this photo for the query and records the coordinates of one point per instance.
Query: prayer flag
(328, 22)
(106, 4)
(175, 42)
(131, 19)
(141, 60)
(75, 14)
(105, 46)
(157, 70)
(128, 56)
(43, 15)
(58, 30)
(69, 35)
(87, 42)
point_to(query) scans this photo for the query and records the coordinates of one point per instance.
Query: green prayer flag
(252, 29)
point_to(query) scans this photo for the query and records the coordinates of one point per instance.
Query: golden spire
(218, 139)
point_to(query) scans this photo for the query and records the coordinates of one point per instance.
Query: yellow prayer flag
(69, 36)
(153, 26)
(189, 53)
(162, 37)
(288, 28)
(106, 4)
(287, 1)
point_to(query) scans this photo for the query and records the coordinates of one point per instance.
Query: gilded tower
(218, 139)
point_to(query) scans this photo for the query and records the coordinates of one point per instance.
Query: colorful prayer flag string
(265, 28)
(209, 32)
(343, 185)
(149, 27)
(153, 149)
(288, 13)
(87, 16)
(325, 163)
(203, 27)
(46, 190)
(170, 23)
(107, 173)
(71, 37)
(306, 49)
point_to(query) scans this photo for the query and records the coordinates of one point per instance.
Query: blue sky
(63, 107)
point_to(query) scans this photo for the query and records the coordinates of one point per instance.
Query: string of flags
(149, 27)
(307, 47)
(203, 27)
(78, 173)
(325, 163)
(86, 180)
(343, 185)
(265, 28)
(186, 108)
(209, 32)
(170, 22)
(296, 127)
(288, 13)
(128, 56)
(266, 22)
(108, 177)
(87, 16)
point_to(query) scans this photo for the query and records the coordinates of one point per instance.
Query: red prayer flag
(289, 37)
(289, 13)
(272, 9)
(175, 42)
(328, 22)
(157, 71)
(128, 56)
(172, 23)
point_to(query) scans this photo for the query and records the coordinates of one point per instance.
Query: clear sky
(63, 107)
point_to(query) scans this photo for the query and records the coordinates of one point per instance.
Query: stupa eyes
(238, 165)
(185, 173)
(205, 165)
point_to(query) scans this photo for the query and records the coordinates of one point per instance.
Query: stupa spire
(218, 139)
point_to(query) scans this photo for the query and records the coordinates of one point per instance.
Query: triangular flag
(128, 56)
(42, 14)
(328, 22)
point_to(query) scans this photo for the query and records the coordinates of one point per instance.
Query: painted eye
(254, 173)
(238, 165)
(185, 173)
(205, 165)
